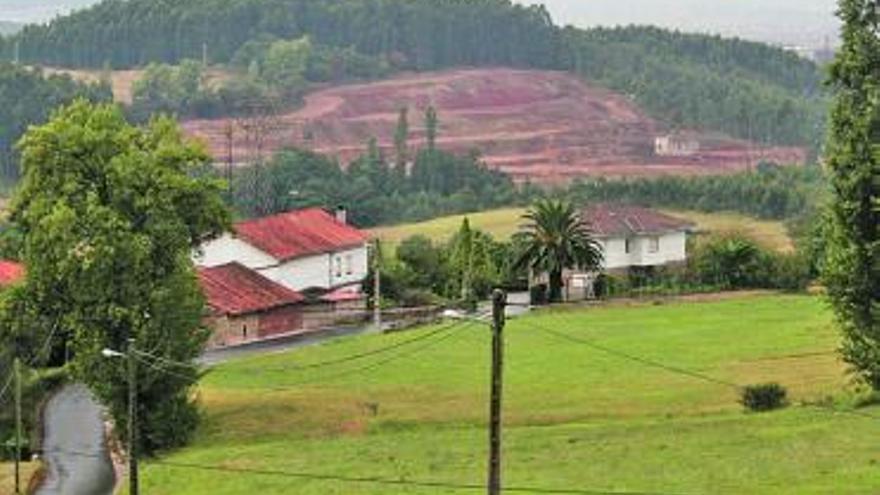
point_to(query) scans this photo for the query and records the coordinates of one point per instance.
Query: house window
(349, 264)
(339, 266)
(627, 246)
(654, 245)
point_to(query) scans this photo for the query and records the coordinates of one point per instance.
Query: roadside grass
(7, 475)
(574, 417)
(503, 223)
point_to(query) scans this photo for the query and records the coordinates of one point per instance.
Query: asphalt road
(74, 449)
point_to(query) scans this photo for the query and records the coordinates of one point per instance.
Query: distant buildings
(676, 145)
(287, 273)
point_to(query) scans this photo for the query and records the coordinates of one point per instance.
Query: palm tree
(556, 238)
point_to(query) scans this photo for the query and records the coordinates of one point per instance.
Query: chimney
(341, 214)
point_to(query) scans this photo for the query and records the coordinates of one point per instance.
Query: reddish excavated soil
(546, 127)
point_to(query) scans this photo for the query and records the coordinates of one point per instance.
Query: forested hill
(745, 89)
(421, 34)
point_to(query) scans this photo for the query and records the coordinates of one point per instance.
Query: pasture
(502, 223)
(412, 407)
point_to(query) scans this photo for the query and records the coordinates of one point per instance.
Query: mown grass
(574, 417)
(7, 476)
(503, 223)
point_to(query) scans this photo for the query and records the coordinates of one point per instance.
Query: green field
(503, 223)
(575, 417)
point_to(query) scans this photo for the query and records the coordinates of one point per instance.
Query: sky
(791, 22)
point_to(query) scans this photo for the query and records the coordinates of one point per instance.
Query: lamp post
(132, 412)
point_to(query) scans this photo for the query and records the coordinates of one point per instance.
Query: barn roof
(609, 220)
(236, 290)
(10, 272)
(300, 233)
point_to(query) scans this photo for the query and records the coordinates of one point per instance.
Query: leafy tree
(166, 88)
(401, 146)
(473, 267)
(27, 97)
(109, 214)
(852, 270)
(556, 239)
(285, 65)
(731, 261)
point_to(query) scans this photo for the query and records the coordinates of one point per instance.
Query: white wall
(320, 271)
(226, 249)
(672, 248)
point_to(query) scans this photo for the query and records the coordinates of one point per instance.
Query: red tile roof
(236, 290)
(344, 294)
(11, 272)
(300, 233)
(607, 220)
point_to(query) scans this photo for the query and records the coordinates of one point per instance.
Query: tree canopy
(852, 270)
(745, 89)
(109, 214)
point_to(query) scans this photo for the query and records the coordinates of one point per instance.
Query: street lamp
(132, 411)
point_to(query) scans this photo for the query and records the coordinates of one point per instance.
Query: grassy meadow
(503, 223)
(575, 418)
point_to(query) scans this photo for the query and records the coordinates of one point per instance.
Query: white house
(301, 250)
(631, 237)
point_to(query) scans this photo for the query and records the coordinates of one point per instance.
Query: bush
(538, 295)
(764, 397)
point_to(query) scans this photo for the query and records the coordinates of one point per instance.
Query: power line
(356, 356)
(682, 371)
(377, 364)
(393, 482)
(353, 479)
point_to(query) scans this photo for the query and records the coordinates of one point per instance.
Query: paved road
(75, 452)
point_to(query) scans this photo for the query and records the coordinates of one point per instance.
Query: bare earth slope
(538, 125)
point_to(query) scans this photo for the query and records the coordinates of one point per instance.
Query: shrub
(538, 295)
(764, 397)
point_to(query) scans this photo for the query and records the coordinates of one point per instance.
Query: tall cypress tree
(852, 271)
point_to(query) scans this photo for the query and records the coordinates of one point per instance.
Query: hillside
(743, 89)
(541, 126)
(503, 223)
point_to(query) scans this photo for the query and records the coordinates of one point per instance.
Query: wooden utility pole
(18, 435)
(377, 286)
(132, 419)
(499, 302)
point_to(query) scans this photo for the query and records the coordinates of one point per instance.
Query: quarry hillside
(541, 126)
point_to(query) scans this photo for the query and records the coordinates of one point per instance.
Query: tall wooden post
(132, 419)
(377, 286)
(499, 302)
(18, 434)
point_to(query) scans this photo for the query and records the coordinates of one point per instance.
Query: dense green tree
(26, 98)
(168, 89)
(556, 239)
(285, 65)
(401, 143)
(431, 123)
(109, 214)
(852, 270)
